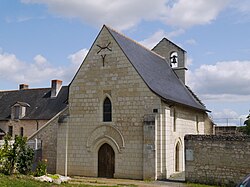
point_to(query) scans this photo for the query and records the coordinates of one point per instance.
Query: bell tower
(174, 55)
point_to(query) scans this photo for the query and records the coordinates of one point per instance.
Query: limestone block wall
(209, 125)
(222, 160)
(171, 125)
(131, 99)
(149, 152)
(179, 121)
(29, 126)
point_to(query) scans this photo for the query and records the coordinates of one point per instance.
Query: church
(128, 110)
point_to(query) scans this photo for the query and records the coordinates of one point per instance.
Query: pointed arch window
(107, 110)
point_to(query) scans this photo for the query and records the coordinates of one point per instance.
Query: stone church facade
(128, 112)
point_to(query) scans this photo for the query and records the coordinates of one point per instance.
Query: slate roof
(42, 106)
(156, 72)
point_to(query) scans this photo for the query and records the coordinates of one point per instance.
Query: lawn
(198, 185)
(28, 181)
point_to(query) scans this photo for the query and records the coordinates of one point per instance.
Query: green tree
(246, 128)
(25, 157)
(15, 156)
(8, 156)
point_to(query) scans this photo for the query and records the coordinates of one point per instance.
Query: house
(24, 111)
(128, 112)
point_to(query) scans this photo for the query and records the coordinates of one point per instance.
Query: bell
(173, 59)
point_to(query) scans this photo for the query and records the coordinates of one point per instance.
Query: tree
(246, 128)
(15, 156)
(25, 156)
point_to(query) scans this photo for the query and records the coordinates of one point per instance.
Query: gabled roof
(41, 105)
(167, 40)
(156, 72)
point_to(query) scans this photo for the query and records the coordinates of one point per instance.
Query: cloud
(187, 13)
(228, 117)
(158, 36)
(224, 81)
(123, 15)
(191, 42)
(39, 71)
(242, 6)
(119, 14)
(78, 57)
(189, 61)
(23, 18)
(226, 113)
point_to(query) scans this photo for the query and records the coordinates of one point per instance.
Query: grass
(28, 181)
(198, 185)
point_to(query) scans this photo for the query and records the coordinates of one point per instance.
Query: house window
(10, 131)
(21, 131)
(197, 123)
(174, 120)
(16, 112)
(107, 110)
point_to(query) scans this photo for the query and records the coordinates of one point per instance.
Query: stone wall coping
(218, 137)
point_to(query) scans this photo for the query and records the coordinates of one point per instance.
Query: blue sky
(41, 40)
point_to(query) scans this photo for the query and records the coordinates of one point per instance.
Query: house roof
(41, 105)
(156, 72)
(167, 40)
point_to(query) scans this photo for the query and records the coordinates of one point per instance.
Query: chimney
(55, 87)
(23, 86)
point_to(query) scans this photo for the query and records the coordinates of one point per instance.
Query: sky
(41, 40)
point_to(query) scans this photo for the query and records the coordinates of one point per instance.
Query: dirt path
(124, 182)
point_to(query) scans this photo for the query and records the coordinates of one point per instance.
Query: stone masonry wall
(131, 99)
(48, 135)
(29, 126)
(187, 121)
(222, 160)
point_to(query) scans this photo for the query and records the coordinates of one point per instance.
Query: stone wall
(212, 159)
(48, 135)
(29, 126)
(178, 121)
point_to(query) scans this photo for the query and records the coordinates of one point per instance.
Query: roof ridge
(2, 91)
(23, 90)
(136, 42)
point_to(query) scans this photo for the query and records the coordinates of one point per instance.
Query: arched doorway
(177, 157)
(106, 161)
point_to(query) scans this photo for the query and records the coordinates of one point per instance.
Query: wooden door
(106, 161)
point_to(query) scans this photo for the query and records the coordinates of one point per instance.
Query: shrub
(41, 168)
